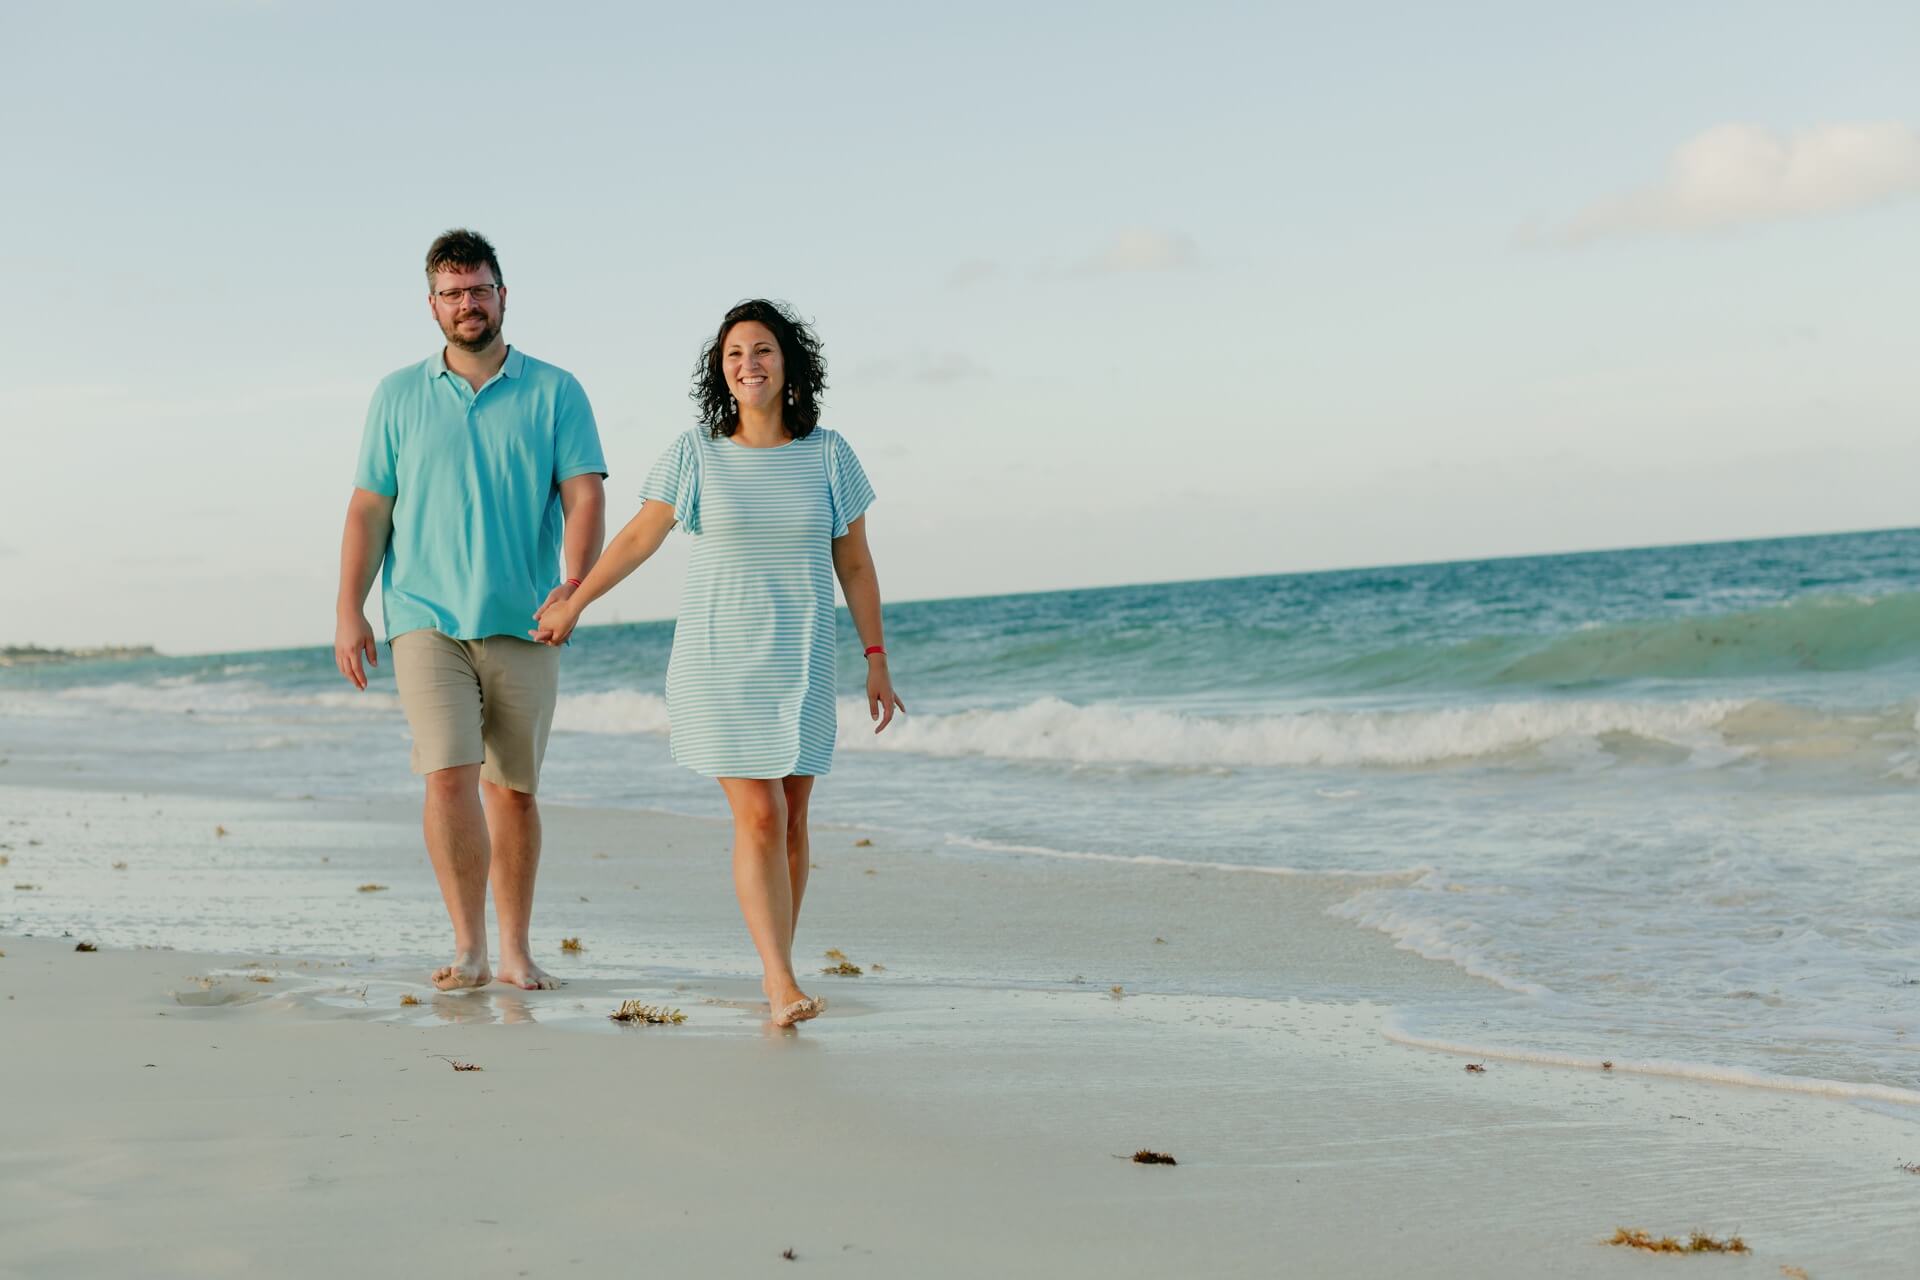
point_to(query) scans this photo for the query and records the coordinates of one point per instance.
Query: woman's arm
(853, 562)
(627, 552)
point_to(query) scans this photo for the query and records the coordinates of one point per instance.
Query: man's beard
(489, 330)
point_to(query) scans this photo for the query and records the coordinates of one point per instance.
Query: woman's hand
(882, 701)
(557, 619)
(562, 592)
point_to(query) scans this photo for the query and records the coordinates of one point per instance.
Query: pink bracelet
(573, 582)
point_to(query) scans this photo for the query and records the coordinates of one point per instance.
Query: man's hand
(562, 592)
(352, 640)
(557, 618)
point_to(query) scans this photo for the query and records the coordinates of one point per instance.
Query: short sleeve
(376, 472)
(675, 480)
(847, 483)
(576, 439)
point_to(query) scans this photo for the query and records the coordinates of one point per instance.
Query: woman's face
(750, 358)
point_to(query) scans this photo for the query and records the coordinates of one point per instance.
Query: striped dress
(750, 685)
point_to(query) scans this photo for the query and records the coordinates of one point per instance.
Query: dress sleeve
(675, 480)
(847, 484)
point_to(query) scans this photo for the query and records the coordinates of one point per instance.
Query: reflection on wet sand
(483, 1004)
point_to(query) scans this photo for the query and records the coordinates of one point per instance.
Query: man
(479, 472)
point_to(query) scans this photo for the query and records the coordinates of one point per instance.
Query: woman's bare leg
(799, 790)
(762, 883)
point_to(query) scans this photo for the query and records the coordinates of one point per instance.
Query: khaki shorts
(487, 702)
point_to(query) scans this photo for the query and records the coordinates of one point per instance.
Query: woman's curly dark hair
(800, 352)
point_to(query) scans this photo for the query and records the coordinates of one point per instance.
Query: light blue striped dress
(750, 685)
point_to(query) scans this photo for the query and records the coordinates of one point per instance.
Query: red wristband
(573, 582)
(873, 649)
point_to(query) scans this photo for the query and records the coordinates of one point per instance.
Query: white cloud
(1141, 249)
(1737, 173)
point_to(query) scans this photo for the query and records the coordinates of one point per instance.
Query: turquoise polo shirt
(475, 481)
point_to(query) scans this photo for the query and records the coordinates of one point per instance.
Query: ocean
(1659, 803)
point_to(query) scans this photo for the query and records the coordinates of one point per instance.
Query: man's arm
(584, 500)
(363, 546)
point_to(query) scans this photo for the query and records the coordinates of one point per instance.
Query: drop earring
(789, 395)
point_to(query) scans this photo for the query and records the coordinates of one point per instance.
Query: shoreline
(956, 1111)
(1324, 958)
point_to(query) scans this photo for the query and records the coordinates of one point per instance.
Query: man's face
(469, 306)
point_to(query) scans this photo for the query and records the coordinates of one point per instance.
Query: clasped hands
(557, 617)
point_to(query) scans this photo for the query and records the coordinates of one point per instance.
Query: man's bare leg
(514, 819)
(455, 827)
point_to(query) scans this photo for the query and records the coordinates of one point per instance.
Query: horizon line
(1128, 586)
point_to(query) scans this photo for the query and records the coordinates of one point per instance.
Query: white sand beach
(168, 1113)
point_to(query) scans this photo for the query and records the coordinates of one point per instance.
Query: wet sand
(958, 1113)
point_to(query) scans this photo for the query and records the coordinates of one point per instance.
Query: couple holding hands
(480, 474)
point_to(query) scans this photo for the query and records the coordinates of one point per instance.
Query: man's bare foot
(522, 972)
(465, 971)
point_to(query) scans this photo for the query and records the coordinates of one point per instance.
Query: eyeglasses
(478, 292)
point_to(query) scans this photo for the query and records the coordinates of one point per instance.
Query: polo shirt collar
(516, 362)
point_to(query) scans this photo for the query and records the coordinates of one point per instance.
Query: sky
(1109, 293)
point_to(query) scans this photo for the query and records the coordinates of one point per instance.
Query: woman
(776, 507)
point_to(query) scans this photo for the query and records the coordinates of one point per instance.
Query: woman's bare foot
(465, 971)
(790, 1004)
(522, 972)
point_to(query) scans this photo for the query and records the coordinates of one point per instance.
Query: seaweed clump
(571, 944)
(1144, 1156)
(634, 1012)
(1698, 1242)
(845, 969)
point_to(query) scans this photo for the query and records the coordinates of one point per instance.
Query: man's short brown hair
(462, 250)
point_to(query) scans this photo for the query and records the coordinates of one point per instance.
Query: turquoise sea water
(1661, 801)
